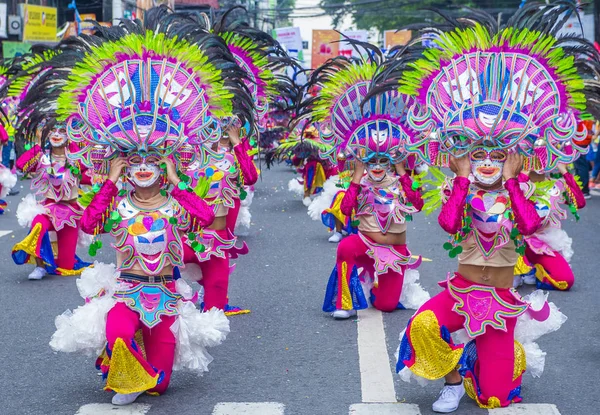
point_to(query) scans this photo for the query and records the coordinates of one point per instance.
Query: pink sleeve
(452, 212)
(247, 167)
(3, 135)
(350, 200)
(523, 178)
(527, 219)
(195, 206)
(575, 189)
(28, 161)
(413, 196)
(86, 177)
(93, 214)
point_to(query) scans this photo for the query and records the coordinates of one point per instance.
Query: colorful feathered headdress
(516, 86)
(354, 124)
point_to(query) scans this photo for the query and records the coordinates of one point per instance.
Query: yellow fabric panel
(346, 297)
(126, 374)
(434, 358)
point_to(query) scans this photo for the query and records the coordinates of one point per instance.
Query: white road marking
(526, 409)
(249, 408)
(4, 233)
(376, 379)
(107, 408)
(384, 409)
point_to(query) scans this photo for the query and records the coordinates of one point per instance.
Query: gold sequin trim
(126, 374)
(541, 274)
(434, 358)
(346, 297)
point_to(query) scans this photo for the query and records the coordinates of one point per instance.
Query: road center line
(526, 409)
(4, 233)
(376, 379)
(384, 409)
(249, 408)
(107, 408)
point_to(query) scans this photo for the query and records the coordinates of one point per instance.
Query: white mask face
(58, 137)
(487, 165)
(377, 169)
(143, 171)
(379, 137)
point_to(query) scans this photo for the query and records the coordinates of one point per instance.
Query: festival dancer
(57, 180)
(382, 201)
(545, 262)
(494, 95)
(181, 108)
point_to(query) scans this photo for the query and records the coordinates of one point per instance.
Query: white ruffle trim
(323, 199)
(558, 240)
(405, 374)
(28, 209)
(296, 187)
(195, 331)
(84, 329)
(413, 294)
(7, 180)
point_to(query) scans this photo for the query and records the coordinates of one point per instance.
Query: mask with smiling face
(58, 137)
(377, 168)
(143, 171)
(487, 164)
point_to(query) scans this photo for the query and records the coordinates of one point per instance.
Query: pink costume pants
(232, 215)
(559, 273)
(215, 276)
(352, 252)
(488, 363)
(159, 343)
(66, 239)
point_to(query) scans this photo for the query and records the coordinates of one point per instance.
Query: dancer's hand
(172, 176)
(234, 135)
(461, 166)
(116, 169)
(400, 168)
(359, 171)
(512, 166)
(562, 168)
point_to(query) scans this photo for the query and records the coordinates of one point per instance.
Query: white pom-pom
(536, 359)
(96, 278)
(413, 295)
(324, 199)
(84, 240)
(296, 187)
(7, 180)
(195, 331)
(28, 209)
(558, 240)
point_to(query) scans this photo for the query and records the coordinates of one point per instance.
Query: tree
(395, 14)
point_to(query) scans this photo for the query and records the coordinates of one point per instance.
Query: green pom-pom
(514, 233)
(195, 245)
(452, 253)
(415, 185)
(448, 246)
(28, 146)
(96, 188)
(114, 215)
(408, 218)
(191, 236)
(75, 170)
(232, 169)
(163, 166)
(468, 220)
(199, 248)
(355, 223)
(163, 192)
(573, 209)
(184, 178)
(108, 226)
(92, 250)
(98, 244)
(173, 221)
(521, 250)
(458, 249)
(122, 192)
(182, 185)
(243, 195)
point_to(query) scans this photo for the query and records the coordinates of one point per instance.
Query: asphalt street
(287, 351)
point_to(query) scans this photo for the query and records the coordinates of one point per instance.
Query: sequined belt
(125, 276)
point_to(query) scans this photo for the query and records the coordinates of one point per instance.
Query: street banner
(290, 38)
(325, 45)
(86, 26)
(12, 49)
(393, 38)
(346, 49)
(3, 20)
(39, 23)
